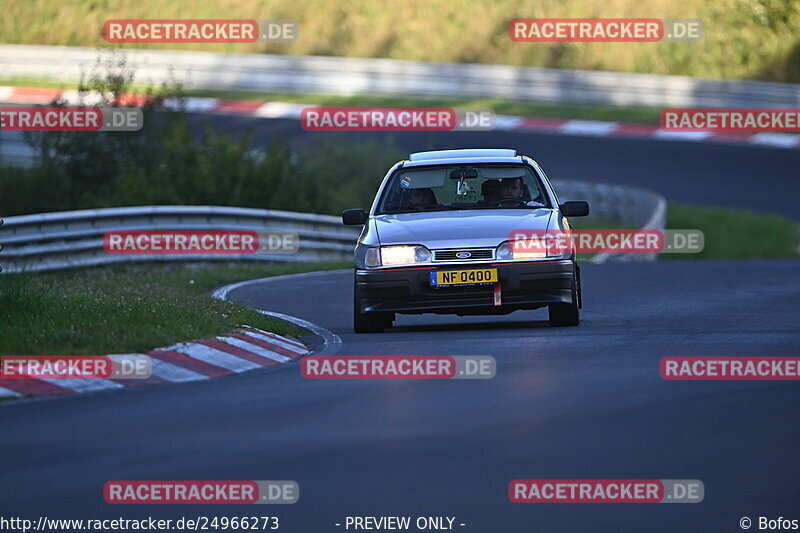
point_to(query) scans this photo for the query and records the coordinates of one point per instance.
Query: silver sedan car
(437, 240)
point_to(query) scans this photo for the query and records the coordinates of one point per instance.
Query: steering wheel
(516, 201)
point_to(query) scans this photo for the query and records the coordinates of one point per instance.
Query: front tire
(564, 315)
(567, 314)
(369, 322)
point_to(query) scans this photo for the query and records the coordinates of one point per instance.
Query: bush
(168, 162)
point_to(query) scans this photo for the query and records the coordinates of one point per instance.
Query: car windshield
(445, 187)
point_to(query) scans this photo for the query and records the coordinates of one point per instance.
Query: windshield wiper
(404, 211)
(511, 207)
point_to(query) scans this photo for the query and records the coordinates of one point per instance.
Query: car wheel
(368, 322)
(564, 314)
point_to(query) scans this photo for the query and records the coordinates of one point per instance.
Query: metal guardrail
(74, 239)
(348, 76)
(639, 208)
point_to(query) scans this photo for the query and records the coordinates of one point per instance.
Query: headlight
(397, 255)
(507, 252)
(504, 252)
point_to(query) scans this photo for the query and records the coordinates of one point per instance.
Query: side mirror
(354, 217)
(574, 209)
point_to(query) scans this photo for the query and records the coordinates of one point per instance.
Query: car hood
(457, 229)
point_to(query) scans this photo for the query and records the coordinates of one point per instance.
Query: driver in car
(420, 199)
(511, 188)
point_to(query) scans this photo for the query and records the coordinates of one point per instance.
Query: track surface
(582, 402)
(729, 175)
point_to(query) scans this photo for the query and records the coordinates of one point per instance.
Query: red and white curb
(283, 110)
(245, 349)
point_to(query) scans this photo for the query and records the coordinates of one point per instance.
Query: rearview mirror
(574, 209)
(468, 173)
(354, 217)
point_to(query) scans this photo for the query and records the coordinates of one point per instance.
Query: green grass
(751, 39)
(729, 233)
(735, 234)
(128, 309)
(640, 115)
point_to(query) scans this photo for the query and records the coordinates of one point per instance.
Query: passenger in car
(491, 192)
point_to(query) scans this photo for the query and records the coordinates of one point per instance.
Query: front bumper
(523, 285)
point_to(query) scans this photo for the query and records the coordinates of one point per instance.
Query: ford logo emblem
(463, 255)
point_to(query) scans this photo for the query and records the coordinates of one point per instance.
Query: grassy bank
(735, 234)
(748, 39)
(729, 233)
(122, 310)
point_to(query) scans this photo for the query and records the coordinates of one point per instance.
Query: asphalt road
(582, 402)
(740, 176)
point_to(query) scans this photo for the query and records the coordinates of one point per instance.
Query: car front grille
(453, 255)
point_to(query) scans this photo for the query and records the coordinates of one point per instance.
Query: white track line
(588, 127)
(784, 140)
(332, 342)
(682, 135)
(86, 98)
(276, 341)
(215, 357)
(258, 350)
(279, 110)
(192, 105)
(8, 393)
(296, 344)
(170, 372)
(506, 122)
(84, 385)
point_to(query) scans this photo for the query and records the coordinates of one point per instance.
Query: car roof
(467, 152)
(472, 155)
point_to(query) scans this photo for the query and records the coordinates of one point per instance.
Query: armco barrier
(74, 239)
(348, 76)
(634, 207)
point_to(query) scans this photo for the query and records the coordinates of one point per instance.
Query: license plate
(481, 276)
